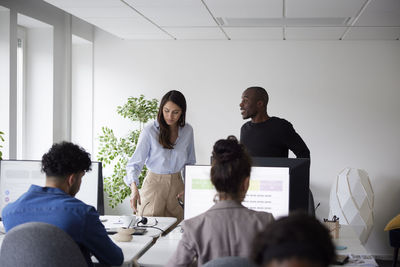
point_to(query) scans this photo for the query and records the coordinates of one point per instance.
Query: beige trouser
(158, 195)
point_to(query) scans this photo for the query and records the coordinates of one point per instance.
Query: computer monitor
(277, 185)
(16, 176)
(268, 190)
(299, 185)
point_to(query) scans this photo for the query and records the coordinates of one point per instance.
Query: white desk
(349, 239)
(162, 250)
(138, 244)
(165, 246)
(132, 249)
(164, 223)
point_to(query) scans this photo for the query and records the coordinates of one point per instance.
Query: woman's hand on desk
(135, 197)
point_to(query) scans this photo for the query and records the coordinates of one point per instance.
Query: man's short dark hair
(296, 236)
(260, 93)
(64, 159)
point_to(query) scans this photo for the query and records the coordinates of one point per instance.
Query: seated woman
(228, 228)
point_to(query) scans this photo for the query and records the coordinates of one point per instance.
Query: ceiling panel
(29, 22)
(201, 33)
(323, 8)
(373, 33)
(317, 21)
(245, 8)
(260, 33)
(134, 28)
(314, 33)
(85, 3)
(103, 12)
(174, 13)
(145, 36)
(241, 19)
(380, 13)
(76, 40)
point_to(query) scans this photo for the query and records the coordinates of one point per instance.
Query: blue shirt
(158, 159)
(54, 206)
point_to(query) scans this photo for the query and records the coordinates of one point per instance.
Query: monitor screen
(16, 176)
(299, 184)
(268, 190)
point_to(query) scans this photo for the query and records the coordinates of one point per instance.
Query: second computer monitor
(16, 176)
(299, 184)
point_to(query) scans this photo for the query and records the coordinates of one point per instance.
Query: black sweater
(272, 138)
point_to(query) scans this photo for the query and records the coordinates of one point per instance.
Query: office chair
(394, 238)
(229, 262)
(39, 244)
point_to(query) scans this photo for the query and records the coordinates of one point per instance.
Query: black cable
(143, 221)
(162, 231)
(151, 226)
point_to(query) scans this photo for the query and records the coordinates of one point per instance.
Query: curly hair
(296, 236)
(65, 158)
(230, 166)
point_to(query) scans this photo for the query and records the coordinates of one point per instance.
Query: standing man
(64, 165)
(266, 136)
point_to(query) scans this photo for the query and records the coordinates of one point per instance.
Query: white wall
(47, 13)
(82, 94)
(4, 77)
(63, 25)
(39, 93)
(342, 98)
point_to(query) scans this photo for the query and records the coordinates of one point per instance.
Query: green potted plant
(116, 152)
(1, 146)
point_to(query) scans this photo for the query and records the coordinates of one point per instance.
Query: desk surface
(162, 250)
(138, 244)
(165, 246)
(132, 249)
(163, 223)
(349, 239)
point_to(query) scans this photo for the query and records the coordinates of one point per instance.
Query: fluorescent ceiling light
(263, 22)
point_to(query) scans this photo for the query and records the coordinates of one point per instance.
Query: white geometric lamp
(352, 200)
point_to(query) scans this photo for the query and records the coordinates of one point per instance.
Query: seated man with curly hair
(64, 165)
(298, 240)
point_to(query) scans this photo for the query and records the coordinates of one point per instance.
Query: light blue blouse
(158, 159)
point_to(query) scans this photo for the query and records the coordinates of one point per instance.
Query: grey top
(226, 229)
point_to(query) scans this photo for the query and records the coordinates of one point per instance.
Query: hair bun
(226, 150)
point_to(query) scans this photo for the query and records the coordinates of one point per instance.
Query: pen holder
(333, 227)
(123, 234)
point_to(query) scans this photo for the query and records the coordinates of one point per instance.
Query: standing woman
(165, 146)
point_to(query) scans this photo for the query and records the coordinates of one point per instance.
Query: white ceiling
(29, 22)
(241, 19)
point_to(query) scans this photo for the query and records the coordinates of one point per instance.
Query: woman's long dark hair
(165, 135)
(231, 165)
